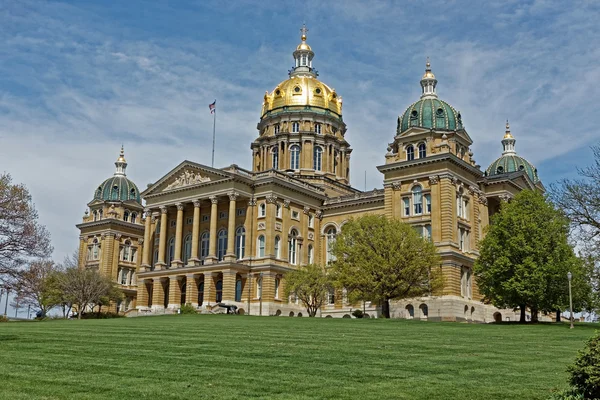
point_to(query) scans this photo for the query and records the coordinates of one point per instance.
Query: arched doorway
(182, 288)
(410, 311)
(238, 289)
(497, 317)
(219, 291)
(200, 293)
(424, 311)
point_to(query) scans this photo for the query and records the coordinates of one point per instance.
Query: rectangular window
(279, 210)
(173, 223)
(240, 212)
(428, 232)
(223, 214)
(262, 210)
(465, 209)
(295, 215)
(406, 201)
(311, 221)
(428, 203)
(205, 218)
(189, 221)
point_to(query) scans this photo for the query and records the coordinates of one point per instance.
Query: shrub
(3, 318)
(585, 372)
(188, 309)
(357, 313)
(100, 315)
(569, 394)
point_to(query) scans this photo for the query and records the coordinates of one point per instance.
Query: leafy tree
(21, 236)
(383, 259)
(84, 287)
(311, 284)
(113, 295)
(37, 286)
(525, 257)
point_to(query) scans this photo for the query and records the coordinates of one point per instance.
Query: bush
(99, 315)
(357, 313)
(3, 318)
(569, 394)
(188, 309)
(585, 372)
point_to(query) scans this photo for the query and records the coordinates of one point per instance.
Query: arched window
(187, 248)
(259, 287)
(200, 293)
(126, 251)
(277, 128)
(260, 250)
(276, 288)
(126, 216)
(422, 150)
(99, 193)
(132, 194)
(417, 200)
(204, 245)
(133, 218)
(310, 254)
(95, 250)
(275, 152)
(410, 153)
(277, 247)
(331, 233)
(221, 244)
(262, 210)
(317, 158)
(318, 128)
(238, 290)
(295, 157)
(295, 127)
(95, 214)
(331, 296)
(219, 291)
(100, 212)
(240, 242)
(115, 193)
(171, 251)
(155, 257)
(414, 118)
(293, 248)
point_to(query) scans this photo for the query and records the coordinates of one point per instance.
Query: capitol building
(200, 235)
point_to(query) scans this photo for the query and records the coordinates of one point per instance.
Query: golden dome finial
(303, 31)
(122, 155)
(428, 74)
(507, 134)
(427, 64)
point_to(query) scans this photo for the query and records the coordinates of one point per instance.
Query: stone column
(212, 251)
(271, 206)
(147, 240)
(250, 224)
(83, 251)
(174, 293)
(191, 290)
(285, 220)
(194, 260)
(106, 261)
(158, 295)
(209, 289)
(436, 205)
(229, 285)
(178, 237)
(230, 254)
(142, 295)
(447, 207)
(163, 239)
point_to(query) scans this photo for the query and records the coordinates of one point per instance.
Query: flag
(213, 107)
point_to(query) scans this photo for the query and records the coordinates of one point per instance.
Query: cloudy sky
(78, 79)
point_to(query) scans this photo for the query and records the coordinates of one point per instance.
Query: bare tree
(84, 287)
(70, 261)
(37, 286)
(21, 236)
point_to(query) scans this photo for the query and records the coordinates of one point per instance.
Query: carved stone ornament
(252, 201)
(197, 203)
(311, 236)
(396, 185)
(118, 236)
(505, 197)
(140, 241)
(163, 209)
(473, 189)
(179, 206)
(187, 178)
(147, 211)
(261, 226)
(482, 199)
(306, 210)
(105, 235)
(286, 203)
(454, 180)
(278, 226)
(233, 196)
(271, 199)
(214, 199)
(434, 179)
(81, 237)
(319, 214)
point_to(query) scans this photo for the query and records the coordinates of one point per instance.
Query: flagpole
(213, 147)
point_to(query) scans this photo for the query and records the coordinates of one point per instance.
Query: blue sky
(77, 79)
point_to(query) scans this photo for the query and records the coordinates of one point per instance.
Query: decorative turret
(303, 57)
(428, 82)
(508, 142)
(510, 162)
(118, 187)
(121, 164)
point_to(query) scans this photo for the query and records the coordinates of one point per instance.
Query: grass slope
(235, 357)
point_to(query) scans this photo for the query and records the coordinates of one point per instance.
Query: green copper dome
(430, 113)
(118, 187)
(510, 162)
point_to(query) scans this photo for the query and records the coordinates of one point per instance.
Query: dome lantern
(118, 187)
(121, 164)
(508, 142)
(428, 82)
(303, 57)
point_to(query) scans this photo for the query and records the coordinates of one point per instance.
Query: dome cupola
(429, 111)
(118, 187)
(510, 162)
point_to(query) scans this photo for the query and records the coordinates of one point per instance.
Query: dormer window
(132, 194)
(422, 150)
(410, 153)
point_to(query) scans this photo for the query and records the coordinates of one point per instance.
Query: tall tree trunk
(557, 315)
(523, 318)
(534, 314)
(385, 308)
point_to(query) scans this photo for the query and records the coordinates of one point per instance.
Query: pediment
(187, 174)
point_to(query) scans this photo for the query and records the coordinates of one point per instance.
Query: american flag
(213, 107)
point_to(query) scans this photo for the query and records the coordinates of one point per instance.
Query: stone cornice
(110, 221)
(398, 165)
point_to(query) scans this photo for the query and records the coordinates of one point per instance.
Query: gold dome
(298, 92)
(507, 134)
(428, 74)
(303, 46)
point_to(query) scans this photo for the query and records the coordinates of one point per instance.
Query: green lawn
(236, 357)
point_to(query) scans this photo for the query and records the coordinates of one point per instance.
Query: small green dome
(430, 112)
(509, 163)
(117, 188)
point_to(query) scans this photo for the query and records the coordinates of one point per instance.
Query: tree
(70, 261)
(84, 287)
(311, 284)
(37, 286)
(585, 372)
(525, 257)
(113, 295)
(580, 201)
(383, 259)
(21, 236)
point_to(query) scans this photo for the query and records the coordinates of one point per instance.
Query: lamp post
(570, 276)
(6, 304)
